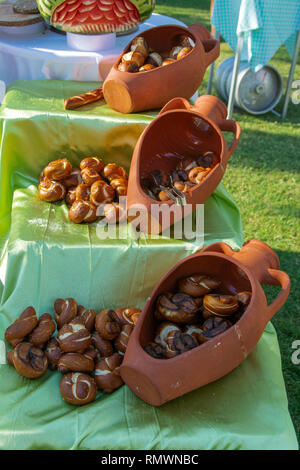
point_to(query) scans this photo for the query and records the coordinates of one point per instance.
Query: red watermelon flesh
(95, 16)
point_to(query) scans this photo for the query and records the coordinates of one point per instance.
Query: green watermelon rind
(145, 8)
(47, 7)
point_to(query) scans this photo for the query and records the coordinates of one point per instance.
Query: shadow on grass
(287, 325)
(292, 117)
(286, 321)
(188, 19)
(194, 12)
(279, 209)
(268, 151)
(290, 263)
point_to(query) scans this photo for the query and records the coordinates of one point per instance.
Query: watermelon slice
(98, 16)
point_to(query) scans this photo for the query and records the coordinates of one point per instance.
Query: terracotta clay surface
(157, 381)
(180, 130)
(131, 92)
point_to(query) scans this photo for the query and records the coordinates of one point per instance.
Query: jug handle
(279, 278)
(176, 103)
(211, 46)
(217, 112)
(275, 277)
(219, 247)
(228, 125)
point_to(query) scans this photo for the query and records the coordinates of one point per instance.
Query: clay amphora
(131, 92)
(179, 130)
(157, 381)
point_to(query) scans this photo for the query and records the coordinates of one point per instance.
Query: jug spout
(211, 107)
(259, 257)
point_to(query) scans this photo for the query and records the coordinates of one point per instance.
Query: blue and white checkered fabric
(266, 24)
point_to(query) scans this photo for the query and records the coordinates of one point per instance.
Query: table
(255, 30)
(47, 55)
(44, 257)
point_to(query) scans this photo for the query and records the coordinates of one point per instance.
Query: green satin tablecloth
(44, 257)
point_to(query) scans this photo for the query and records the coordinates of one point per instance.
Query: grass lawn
(263, 178)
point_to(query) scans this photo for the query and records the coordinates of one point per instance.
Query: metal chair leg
(235, 75)
(212, 69)
(291, 75)
(2, 90)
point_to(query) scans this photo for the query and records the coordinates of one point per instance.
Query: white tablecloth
(47, 55)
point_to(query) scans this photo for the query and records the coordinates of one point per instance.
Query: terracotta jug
(131, 92)
(179, 130)
(157, 381)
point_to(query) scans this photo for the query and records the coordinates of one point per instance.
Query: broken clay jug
(157, 381)
(180, 130)
(132, 92)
